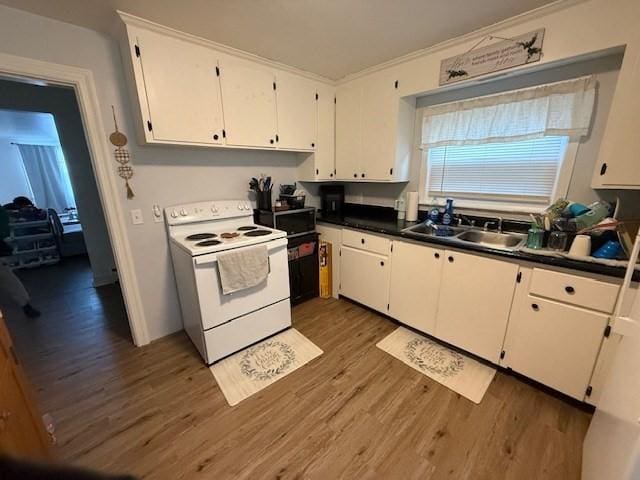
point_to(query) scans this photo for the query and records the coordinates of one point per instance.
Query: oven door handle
(213, 257)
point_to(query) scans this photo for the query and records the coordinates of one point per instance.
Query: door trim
(82, 81)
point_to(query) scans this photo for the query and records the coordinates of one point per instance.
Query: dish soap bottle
(447, 216)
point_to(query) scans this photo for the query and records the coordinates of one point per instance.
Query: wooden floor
(354, 412)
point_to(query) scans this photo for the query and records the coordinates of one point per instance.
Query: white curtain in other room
(48, 176)
(555, 109)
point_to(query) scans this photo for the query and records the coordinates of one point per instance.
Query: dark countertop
(379, 220)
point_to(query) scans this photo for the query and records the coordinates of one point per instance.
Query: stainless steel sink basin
(501, 241)
(431, 230)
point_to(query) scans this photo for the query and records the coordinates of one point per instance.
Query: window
(524, 171)
(510, 151)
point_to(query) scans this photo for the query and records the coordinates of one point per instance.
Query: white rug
(462, 374)
(249, 371)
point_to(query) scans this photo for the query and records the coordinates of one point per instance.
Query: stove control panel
(203, 211)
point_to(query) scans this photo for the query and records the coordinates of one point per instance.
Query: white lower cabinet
(415, 285)
(364, 277)
(555, 344)
(474, 304)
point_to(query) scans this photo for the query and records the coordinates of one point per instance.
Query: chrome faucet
(498, 222)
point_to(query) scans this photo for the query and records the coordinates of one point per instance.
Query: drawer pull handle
(450, 259)
(535, 307)
(570, 290)
(382, 264)
(437, 255)
(362, 241)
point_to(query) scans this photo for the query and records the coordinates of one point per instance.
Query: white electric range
(218, 324)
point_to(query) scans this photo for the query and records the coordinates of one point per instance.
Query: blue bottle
(447, 216)
(434, 215)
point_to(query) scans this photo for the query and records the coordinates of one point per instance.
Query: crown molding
(132, 20)
(467, 37)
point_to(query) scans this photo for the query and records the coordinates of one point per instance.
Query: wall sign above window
(507, 53)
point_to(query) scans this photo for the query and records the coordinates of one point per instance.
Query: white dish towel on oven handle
(243, 268)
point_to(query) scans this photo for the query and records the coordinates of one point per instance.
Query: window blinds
(513, 170)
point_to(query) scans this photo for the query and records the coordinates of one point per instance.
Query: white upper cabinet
(325, 158)
(617, 165)
(249, 103)
(348, 132)
(179, 90)
(192, 92)
(297, 104)
(374, 129)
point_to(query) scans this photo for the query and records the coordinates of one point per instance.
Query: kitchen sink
(463, 234)
(502, 241)
(433, 230)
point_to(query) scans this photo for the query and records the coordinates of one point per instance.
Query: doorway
(58, 245)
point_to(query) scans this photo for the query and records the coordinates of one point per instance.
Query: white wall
(163, 175)
(581, 29)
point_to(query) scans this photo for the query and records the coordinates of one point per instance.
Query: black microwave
(295, 222)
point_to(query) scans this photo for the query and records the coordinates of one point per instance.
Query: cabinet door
(475, 301)
(182, 90)
(555, 344)
(248, 100)
(379, 117)
(297, 112)
(348, 132)
(365, 277)
(618, 157)
(22, 432)
(415, 285)
(325, 157)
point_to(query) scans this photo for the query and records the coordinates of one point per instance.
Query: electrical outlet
(136, 217)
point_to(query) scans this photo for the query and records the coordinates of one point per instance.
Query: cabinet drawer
(585, 292)
(365, 241)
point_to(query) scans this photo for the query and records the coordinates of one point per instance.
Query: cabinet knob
(535, 307)
(382, 264)
(437, 255)
(355, 175)
(603, 169)
(362, 241)
(331, 175)
(271, 141)
(313, 145)
(317, 171)
(362, 175)
(450, 259)
(569, 289)
(215, 136)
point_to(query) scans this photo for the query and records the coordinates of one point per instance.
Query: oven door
(216, 308)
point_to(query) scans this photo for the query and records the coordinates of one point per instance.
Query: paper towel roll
(412, 206)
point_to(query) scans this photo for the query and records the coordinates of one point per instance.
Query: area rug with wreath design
(249, 371)
(460, 373)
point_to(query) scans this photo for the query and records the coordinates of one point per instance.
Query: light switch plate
(157, 213)
(136, 217)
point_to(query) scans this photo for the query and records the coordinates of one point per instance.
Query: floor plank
(354, 412)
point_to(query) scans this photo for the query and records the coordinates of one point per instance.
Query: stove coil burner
(247, 227)
(257, 233)
(208, 243)
(201, 236)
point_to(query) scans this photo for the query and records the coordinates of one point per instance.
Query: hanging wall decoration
(122, 156)
(508, 53)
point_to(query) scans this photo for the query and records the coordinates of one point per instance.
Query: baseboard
(105, 279)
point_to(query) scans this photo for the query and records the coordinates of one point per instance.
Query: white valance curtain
(555, 109)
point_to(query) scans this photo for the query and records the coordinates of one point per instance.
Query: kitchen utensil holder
(263, 200)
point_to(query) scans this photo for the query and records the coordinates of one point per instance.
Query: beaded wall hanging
(122, 156)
